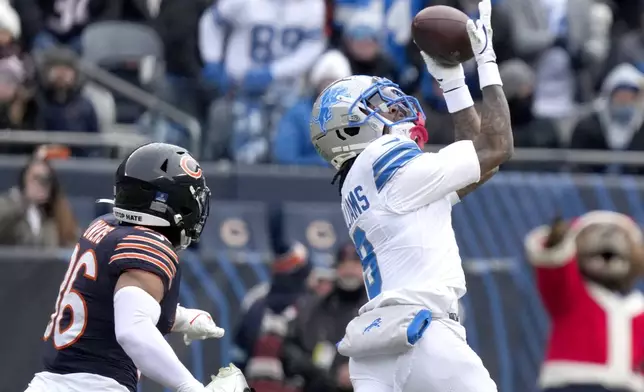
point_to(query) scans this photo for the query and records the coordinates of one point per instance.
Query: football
(440, 32)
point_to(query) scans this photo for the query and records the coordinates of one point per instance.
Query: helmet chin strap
(414, 131)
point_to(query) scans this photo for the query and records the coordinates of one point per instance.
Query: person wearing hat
(9, 30)
(617, 121)
(586, 271)
(17, 108)
(61, 103)
(309, 350)
(291, 145)
(268, 310)
(529, 131)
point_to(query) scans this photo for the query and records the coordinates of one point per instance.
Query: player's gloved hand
(480, 33)
(257, 81)
(215, 73)
(195, 324)
(448, 78)
(229, 378)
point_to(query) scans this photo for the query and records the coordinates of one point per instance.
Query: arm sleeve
(213, 25)
(409, 179)
(309, 49)
(146, 251)
(135, 316)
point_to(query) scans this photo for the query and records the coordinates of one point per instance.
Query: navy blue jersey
(80, 336)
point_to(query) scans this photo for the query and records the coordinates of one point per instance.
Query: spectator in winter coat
(263, 326)
(264, 323)
(362, 44)
(36, 213)
(61, 104)
(518, 85)
(529, 131)
(292, 145)
(309, 350)
(618, 119)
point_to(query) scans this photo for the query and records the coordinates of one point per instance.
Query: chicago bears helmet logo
(190, 166)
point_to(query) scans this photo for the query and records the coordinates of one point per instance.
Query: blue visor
(383, 96)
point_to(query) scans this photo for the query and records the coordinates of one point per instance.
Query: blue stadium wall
(504, 318)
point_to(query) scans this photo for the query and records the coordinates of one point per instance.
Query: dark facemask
(8, 50)
(59, 91)
(59, 94)
(521, 110)
(622, 113)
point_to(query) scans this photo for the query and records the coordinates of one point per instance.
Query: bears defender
(397, 203)
(119, 295)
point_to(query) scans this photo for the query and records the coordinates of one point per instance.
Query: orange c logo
(190, 166)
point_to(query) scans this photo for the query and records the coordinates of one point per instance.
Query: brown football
(440, 32)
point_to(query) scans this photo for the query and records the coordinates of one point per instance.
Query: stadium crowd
(572, 69)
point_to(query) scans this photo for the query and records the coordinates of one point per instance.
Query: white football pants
(75, 382)
(441, 361)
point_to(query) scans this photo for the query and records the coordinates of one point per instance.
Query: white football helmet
(352, 112)
(229, 379)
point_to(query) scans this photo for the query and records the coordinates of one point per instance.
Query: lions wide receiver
(397, 204)
(119, 296)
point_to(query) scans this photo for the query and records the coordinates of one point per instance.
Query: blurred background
(83, 82)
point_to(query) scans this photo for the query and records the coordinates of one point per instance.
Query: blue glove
(215, 73)
(257, 81)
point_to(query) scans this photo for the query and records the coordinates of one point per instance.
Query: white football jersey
(397, 203)
(264, 32)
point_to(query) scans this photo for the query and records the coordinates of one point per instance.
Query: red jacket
(597, 336)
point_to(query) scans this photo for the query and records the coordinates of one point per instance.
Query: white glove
(228, 379)
(449, 78)
(480, 33)
(195, 324)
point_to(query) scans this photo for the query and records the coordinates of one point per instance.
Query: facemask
(59, 95)
(348, 283)
(7, 50)
(622, 114)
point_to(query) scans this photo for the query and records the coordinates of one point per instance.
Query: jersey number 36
(71, 301)
(370, 270)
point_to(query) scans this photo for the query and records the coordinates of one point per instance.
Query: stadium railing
(143, 98)
(121, 141)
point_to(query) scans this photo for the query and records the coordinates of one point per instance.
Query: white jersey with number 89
(397, 203)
